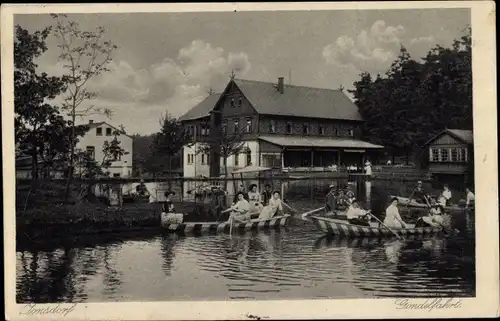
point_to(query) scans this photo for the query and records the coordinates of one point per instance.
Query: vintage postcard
(250, 161)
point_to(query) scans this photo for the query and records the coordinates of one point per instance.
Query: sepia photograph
(229, 154)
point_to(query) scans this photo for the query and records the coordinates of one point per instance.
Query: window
(108, 131)
(91, 151)
(232, 102)
(249, 126)
(208, 159)
(237, 160)
(305, 129)
(249, 156)
(434, 155)
(190, 158)
(224, 127)
(202, 159)
(240, 101)
(271, 160)
(288, 128)
(116, 157)
(445, 155)
(116, 175)
(236, 126)
(335, 131)
(321, 129)
(98, 131)
(272, 126)
(454, 154)
(351, 132)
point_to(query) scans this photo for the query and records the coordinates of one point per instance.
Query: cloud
(172, 85)
(370, 49)
(422, 40)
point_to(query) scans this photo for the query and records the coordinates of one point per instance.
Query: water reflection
(291, 264)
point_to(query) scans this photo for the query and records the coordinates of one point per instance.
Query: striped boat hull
(223, 227)
(343, 228)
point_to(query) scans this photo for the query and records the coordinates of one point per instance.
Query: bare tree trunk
(170, 172)
(225, 173)
(71, 157)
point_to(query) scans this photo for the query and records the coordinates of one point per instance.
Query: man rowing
(419, 194)
(356, 215)
(331, 202)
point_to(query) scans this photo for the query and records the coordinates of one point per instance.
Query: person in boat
(445, 197)
(470, 200)
(254, 200)
(356, 215)
(342, 201)
(141, 189)
(274, 207)
(392, 217)
(331, 201)
(349, 194)
(168, 205)
(266, 195)
(419, 194)
(241, 189)
(434, 218)
(240, 209)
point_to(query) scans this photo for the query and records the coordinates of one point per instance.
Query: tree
(39, 128)
(225, 145)
(85, 55)
(170, 139)
(415, 100)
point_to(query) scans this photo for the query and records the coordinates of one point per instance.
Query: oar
(376, 218)
(313, 211)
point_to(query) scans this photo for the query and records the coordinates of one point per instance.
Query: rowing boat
(173, 223)
(331, 226)
(405, 201)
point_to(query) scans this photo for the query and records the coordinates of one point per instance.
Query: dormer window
(305, 129)
(232, 102)
(98, 131)
(321, 129)
(236, 126)
(240, 101)
(249, 126)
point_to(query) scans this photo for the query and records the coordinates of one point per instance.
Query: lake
(296, 263)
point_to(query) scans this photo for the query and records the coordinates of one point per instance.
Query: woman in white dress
(392, 217)
(275, 206)
(368, 168)
(254, 199)
(240, 209)
(445, 197)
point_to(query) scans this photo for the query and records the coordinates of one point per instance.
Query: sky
(167, 62)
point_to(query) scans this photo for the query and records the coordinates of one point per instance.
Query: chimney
(91, 121)
(281, 84)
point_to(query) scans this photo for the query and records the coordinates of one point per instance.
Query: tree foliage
(223, 144)
(415, 100)
(40, 130)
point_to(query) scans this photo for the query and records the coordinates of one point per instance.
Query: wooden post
(282, 159)
(312, 158)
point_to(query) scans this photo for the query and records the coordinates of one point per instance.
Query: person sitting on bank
(470, 200)
(445, 197)
(435, 215)
(342, 201)
(418, 194)
(141, 189)
(331, 202)
(275, 206)
(356, 215)
(168, 205)
(266, 195)
(392, 217)
(240, 209)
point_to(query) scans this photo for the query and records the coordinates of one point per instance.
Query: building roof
(94, 125)
(463, 135)
(201, 110)
(298, 101)
(292, 141)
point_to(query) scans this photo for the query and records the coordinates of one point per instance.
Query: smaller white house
(93, 142)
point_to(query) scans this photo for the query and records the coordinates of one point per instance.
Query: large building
(93, 142)
(284, 126)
